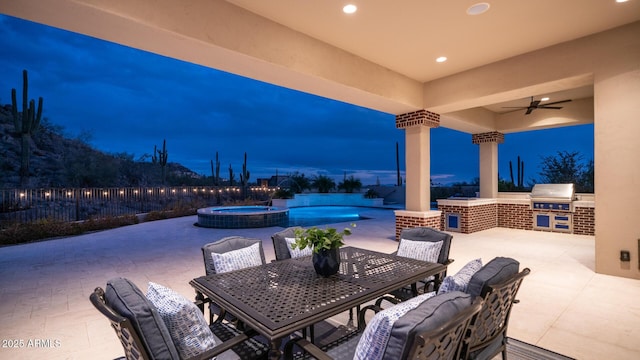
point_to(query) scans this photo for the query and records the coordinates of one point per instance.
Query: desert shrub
(283, 194)
(46, 229)
(371, 194)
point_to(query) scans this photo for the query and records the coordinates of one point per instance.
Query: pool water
(320, 215)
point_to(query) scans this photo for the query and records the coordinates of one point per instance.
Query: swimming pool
(320, 215)
(243, 217)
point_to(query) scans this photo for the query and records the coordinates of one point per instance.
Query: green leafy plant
(320, 239)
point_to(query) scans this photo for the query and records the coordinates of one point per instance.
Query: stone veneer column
(417, 126)
(488, 143)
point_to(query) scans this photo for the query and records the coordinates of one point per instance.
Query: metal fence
(59, 204)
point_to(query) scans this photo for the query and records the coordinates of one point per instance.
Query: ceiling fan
(535, 104)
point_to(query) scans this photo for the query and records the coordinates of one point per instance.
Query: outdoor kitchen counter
(510, 210)
(467, 201)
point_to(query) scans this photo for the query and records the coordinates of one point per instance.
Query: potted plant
(326, 245)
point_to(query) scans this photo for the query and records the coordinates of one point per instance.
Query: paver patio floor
(44, 287)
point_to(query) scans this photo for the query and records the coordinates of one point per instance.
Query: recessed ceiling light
(349, 9)
(441, 59)
(544, 99)
(478, 8)
(621, 1)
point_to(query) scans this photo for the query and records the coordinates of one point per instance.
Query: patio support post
(417, 126)
(488, 143)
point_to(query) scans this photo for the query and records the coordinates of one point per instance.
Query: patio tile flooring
(44, 287)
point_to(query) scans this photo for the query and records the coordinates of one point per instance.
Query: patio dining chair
(497, 283)
(423, 243)
(425, 327)
(233, 253)
(146, 335)
(280, 242)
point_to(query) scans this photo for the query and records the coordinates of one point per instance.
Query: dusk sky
(129, 100)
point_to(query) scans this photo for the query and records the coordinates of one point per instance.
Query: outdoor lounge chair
(434, 329)
(145, 336)
(497, 283)
(425, 234)
(223, 246)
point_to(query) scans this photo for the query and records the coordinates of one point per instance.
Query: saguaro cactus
(163, 155)
(231, 176)
(398, 177)
(520, 174)
(244, 176)
(25, 123)
(215, 173)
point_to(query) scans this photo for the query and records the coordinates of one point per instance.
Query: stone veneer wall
(515, 216)
(472, 218)
(584, 220)
(403, 222)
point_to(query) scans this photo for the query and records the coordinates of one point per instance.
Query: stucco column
(417, 126)
(488, 143)
(617, 168)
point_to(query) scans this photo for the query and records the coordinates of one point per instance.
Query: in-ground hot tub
(242, 217)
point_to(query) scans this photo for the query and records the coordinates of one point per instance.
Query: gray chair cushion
(429, 234)
(126, 299)
(279, 243)
(494, 272)
(225, 245)
(429, 315)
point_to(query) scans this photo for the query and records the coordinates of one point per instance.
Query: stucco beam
(560, 67)
(472, 121)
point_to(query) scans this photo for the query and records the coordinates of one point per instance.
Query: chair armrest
(448, 262)
(307, 346)
(220, 348)
(362, 323)
(201, 300)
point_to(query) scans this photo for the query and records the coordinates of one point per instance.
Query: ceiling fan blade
(549, 107)
(529, 110)
(557, 102)
(515, 107)
(535, 103)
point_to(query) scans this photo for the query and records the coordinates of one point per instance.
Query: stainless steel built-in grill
(552, 206)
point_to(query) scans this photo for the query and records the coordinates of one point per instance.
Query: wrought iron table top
(281, 297)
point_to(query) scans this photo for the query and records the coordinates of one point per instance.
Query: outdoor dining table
(282, 297)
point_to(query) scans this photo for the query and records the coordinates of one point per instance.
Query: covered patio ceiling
(381, 57)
